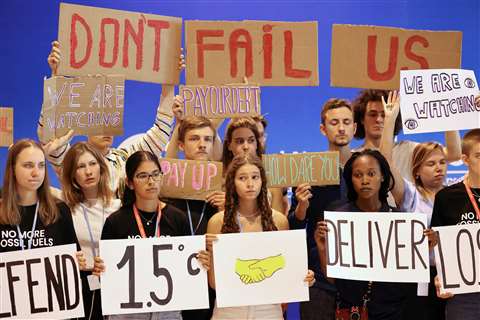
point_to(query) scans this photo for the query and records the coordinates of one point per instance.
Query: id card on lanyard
(472, 200)
(140, 224)
(34, 226)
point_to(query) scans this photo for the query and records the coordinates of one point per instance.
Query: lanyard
(193, 232)
(94, 244)
(34, 226)
(472, 200)
(237, 217)
(140, 223)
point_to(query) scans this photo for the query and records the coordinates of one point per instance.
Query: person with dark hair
(143, 215)
(368, 179)
(454, 205)
(241, 138)
(85, 189)
(369, 115)
(309, 203)
(27, 209)
(247, 209)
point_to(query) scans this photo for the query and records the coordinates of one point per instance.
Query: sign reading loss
(40, 283)
(381, 52)
(457, 257)
(227, 101)
(314, 168)
(152, 275)
(90, 105)
(6, 126)
(438, 100)
(190, 179)
(270, 53)
(377, 246)
(141, 46)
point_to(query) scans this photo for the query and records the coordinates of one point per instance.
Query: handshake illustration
(256, 270)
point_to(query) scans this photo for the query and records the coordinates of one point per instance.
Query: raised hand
(54, 57)
(57, 143)
(216, 199)
(392, 106)
(320, 234)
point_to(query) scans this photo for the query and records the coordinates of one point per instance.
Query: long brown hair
(230, 224)
(9, 209)
(236, 123)
(420, 154)
(72, 193)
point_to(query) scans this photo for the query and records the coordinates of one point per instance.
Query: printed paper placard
(381, 246)
(260, 268)
(438, 100)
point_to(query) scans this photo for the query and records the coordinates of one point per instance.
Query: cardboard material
(270, 53)
(153, 275)
(457, 257)
(41, 283)
(377, 246)
(190, 179)
(438, 100)
(255, 268)
(143, 47)
(6, 126)
(381, 52)
(90, 105)
(314, 168)
(227, 101)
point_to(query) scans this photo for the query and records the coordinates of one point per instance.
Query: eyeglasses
(144, 176)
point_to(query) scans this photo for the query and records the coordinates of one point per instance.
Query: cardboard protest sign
(226, 101)
(438, 100)
(90, 105)
(377, 246)
(293, 169)
(6, 126)
(457, 257)
(40, 283)
(143, 47)
(269, 53)
(190, 179)
(256, 268)
(153, 275)
(381, 52)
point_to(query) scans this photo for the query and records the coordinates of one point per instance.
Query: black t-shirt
(452, 206)
(122, 224)
(58, 233)
(196, 207)
(387, 299)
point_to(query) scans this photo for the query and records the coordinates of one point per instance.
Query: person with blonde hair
(30, 217)
(85, 185)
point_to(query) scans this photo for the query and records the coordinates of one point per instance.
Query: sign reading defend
(6, 127)
(293, 169)
(268, 53)
(90, 105)
(381, 52)
(141, 46)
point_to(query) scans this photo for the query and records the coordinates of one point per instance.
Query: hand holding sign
(54, 57)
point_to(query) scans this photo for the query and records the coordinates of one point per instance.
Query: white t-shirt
(413, 201)
(96, 215)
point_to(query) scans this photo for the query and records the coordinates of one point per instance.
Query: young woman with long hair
(247, 209)
(143, 215)
(85, 185)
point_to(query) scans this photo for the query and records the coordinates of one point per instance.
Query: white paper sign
(41, 283)
(457, 257)
(260, 268)
(438, 100)
(152, 275)
(382, 246)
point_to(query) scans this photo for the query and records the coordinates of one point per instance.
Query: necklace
(148, 221)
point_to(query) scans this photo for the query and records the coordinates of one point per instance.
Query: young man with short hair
(310, 202)
(460, 204)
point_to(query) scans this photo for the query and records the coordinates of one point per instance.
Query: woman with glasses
(143, 215)
(85, 185)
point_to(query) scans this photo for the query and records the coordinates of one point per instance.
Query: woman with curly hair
(247, 209)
